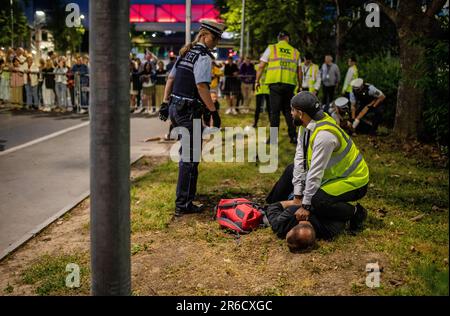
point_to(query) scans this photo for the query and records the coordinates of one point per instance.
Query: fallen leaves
(436, 208)
(395, 282)
(381, 212)
(417, 218)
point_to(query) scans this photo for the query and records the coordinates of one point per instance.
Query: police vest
(282, 64)
(263, 88)
(184, 83)
(346, 170)
(355, 75)
(362, 96)
(309, 76)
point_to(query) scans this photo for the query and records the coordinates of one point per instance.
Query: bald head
(301, 237)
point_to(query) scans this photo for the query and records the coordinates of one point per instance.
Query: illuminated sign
(172, 13)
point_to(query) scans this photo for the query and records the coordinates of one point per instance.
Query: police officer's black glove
(164, 111)
(216, 119)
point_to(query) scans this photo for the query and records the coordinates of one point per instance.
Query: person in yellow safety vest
(311, 75)
(284, 74)
(352, 74)
(329, 172)
(262, 93)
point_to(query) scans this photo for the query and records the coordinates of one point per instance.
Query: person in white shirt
(61, 84)
(31, 71)
(311, 75)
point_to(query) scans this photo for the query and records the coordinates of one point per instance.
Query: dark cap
(307, 102)
(283, 33)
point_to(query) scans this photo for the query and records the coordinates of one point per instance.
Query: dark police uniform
(186, 106)
(373, 118)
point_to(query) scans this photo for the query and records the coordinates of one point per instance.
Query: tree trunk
(410, 97)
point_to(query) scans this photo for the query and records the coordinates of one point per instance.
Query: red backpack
(240, 215)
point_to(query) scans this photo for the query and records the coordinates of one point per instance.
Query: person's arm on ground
(281, 219)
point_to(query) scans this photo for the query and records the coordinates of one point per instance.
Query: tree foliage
(410, 46)
(20, 30)
(66, 38)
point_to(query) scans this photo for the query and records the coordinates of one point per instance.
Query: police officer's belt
(183, 103)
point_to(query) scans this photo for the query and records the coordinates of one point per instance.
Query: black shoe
(357, 221)
(193, 210)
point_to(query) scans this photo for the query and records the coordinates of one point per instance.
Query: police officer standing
(311, 75)
(283, 75)
(186, 99)
(352, 74)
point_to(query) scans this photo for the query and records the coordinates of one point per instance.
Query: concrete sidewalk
(41, 182)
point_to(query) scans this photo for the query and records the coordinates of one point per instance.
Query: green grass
(48, 274)
(403, 185)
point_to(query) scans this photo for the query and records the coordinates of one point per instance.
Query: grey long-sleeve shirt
(307, 182)
(330, 76)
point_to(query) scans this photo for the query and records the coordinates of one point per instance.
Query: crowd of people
(50, 83)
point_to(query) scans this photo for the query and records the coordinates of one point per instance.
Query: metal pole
(188, 21)
(110, 147)
(12, 24)
(247, 42)
(241, 50)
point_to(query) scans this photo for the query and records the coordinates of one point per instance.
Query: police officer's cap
(283, 33)
(341, 102)
(213, 27)
(357, 83)
(307, 102)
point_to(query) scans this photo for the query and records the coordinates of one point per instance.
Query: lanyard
(306, 136)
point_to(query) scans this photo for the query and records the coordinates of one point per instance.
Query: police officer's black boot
(194, 209)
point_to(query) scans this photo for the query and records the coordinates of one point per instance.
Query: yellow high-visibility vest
(346, 170)
(282, 64)
(312, 74)
(348, 88)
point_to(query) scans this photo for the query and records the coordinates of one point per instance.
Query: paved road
(42, 178)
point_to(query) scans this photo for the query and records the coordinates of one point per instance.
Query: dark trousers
(280, 101)
(260, 99)
(370, 122)
(328, 96)
(283, 188)
(188, 166)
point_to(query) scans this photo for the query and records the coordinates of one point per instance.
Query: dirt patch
(69, 234)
